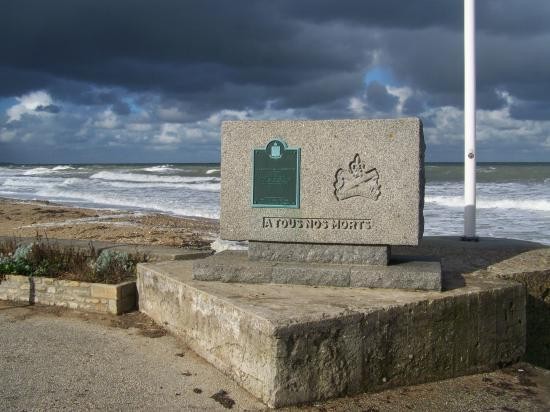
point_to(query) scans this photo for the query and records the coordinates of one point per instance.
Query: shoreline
(28, 218)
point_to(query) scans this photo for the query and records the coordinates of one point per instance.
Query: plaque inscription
(276, 176)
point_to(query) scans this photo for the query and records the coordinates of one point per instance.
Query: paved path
(55, 359)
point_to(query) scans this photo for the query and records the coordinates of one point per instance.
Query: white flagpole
(469, 121)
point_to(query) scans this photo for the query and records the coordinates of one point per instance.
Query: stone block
(291, 344)
(318, 253)
(81, 291)
(103, 291)
(112, 307)
(234, 266)
(360, 182)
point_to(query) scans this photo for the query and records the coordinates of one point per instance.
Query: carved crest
(357, 181)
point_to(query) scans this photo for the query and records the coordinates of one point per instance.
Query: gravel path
(55, 359)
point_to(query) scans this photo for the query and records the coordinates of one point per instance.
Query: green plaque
(276, 176)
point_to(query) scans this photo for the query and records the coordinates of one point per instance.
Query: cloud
(30, 104)
(379, 99)
(169, 134)
(107, 120)
(50, 108)
(115, 80)
(7, 135)
(357, 105)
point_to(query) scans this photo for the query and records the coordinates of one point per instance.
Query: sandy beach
(31, 218)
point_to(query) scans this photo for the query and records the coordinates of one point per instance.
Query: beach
(30, 218)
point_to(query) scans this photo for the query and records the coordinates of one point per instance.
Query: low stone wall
(91, 297)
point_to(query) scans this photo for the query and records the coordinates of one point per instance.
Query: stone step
(290, 344)
(401, 273)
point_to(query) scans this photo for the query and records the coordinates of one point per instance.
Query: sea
(513, 199)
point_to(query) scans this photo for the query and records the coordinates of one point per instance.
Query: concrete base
(290, 344)
(319, 253)
(234, 266)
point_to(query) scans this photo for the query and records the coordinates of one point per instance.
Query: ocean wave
(21, 183)
(209, 172)
(138, 177)
(37, 171)
(488, 169)
(200, 186)
(38, 183)
(458, 201)
(160, 169)
(83, 184)
(62, 167)
(131, 203)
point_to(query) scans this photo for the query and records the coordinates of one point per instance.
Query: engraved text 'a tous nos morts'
(316, 223)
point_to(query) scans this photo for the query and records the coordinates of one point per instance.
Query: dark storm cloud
(134, 65)
(15, 81)
(379, 98)
(184, 49)
(181, 48)
(531, 110)
(49, 108)
(414, 106)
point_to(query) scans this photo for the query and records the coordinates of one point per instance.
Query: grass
(49, 259)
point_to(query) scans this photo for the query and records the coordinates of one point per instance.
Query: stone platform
(401, 273)
(290, 344)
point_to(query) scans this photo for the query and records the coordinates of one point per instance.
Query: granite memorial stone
(321, 203)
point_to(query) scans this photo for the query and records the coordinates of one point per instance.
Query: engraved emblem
(357, 181)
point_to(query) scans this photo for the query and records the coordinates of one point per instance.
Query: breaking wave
(37, 171)
(458, 202)
(62, 167)
(161, 169)
(139, 177)
(132, 203)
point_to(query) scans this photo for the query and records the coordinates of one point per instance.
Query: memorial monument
(321, 203)
(318, 307)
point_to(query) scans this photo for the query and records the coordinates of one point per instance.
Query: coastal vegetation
(47, 258)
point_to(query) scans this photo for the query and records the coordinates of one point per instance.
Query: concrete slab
(234, 266)
(293, 344)
(458, 256)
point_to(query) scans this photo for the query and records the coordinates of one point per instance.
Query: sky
(99, 81)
